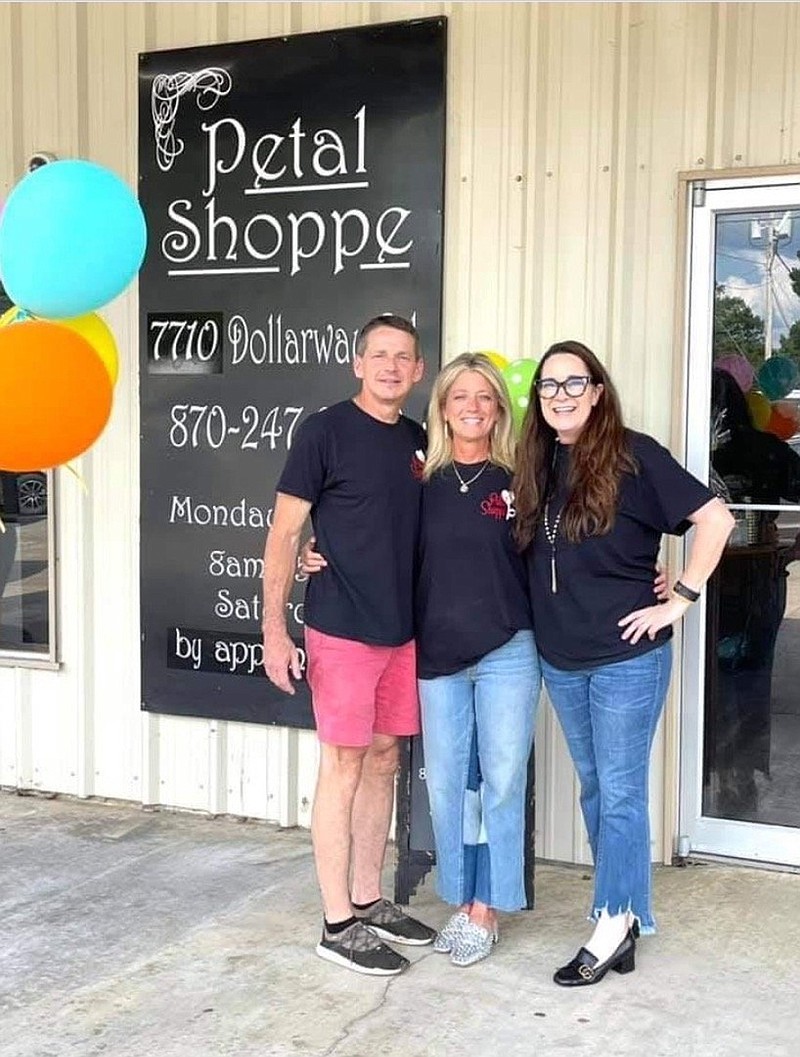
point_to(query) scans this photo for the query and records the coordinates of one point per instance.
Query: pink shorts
(359, 690)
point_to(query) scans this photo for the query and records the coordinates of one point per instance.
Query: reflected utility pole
(774, 232)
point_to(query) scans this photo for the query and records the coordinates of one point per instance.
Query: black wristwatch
(681, 589)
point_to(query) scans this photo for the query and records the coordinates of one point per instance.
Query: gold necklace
(465, 484)
(551, 534)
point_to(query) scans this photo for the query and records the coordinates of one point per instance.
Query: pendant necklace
(465, 484)
(551, 533)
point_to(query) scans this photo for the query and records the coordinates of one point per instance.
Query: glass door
(741, 676)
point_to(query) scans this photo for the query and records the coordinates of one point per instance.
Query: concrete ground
(126, 933)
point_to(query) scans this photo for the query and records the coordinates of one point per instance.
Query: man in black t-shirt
(355, 468)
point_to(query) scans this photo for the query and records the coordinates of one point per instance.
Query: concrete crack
(346, 1031)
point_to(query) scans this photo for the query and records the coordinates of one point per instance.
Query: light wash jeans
(609, 716)
(477, 799)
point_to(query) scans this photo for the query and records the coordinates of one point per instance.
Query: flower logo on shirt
(499, 505)
(417, 464)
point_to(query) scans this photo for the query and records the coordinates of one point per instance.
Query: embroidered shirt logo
(499, 505)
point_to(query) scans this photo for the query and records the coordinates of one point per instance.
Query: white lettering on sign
(205, 240)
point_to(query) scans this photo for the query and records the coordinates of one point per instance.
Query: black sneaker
(359, 949)
(389, 922)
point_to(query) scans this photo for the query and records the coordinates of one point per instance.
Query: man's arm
(280, 558)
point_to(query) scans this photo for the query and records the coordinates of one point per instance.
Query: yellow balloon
(760, 408)
(499, 361)
(90, 327)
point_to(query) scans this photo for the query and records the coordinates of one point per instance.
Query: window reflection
(752, 707)
(24, 557)
(24, 572)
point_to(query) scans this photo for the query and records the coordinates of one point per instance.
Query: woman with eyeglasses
(593, 499)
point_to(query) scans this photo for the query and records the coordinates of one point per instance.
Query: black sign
(293, 189)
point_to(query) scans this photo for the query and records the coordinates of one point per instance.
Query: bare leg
(483, 915)
(339, 774)
(372, 816)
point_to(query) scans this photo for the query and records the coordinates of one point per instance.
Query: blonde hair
(501, 439)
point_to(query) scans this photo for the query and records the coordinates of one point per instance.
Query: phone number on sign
(211, 426)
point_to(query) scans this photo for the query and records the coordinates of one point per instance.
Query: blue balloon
(777, 376)
(72, 236)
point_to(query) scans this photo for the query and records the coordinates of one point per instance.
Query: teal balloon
(519, 378)
(72, 236)
(777, 376)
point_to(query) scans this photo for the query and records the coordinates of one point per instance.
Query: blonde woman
(477, 664)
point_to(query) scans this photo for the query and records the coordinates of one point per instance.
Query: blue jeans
(477, 729)
(609, 716)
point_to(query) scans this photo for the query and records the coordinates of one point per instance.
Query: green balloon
(519, 377)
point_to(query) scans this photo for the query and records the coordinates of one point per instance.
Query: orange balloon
(781, 425)
(55, 396)
(90, 326)
(789, 410)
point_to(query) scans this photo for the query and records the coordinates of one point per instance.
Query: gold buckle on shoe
(586, 972)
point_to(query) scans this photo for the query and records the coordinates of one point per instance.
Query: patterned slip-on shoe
(448, 937)
(473, 945)
(389, 922)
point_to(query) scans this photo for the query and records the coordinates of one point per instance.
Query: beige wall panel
(114, 34)
(47, 116)
(307, 762)
(576, 196)
(13, 686)
(560, 833)
(533, 119)
(189, 763)
(182, 25)
(762, 53)
(458, 187)
(791, 87)
(281, 775)
(315, 17)
(394, 12)
(245, 790)
(247, 21)
(10, 155)
(494, 158)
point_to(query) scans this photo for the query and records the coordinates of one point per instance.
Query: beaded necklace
(551, 534)
(551, 531)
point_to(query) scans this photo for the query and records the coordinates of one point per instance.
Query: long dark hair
(600, 456)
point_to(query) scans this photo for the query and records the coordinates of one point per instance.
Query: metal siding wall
(567, 126)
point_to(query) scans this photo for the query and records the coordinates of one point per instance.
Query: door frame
(750, 841)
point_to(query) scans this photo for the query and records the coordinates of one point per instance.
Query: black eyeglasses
(573, 386)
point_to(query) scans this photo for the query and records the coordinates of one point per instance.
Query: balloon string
(77, 477)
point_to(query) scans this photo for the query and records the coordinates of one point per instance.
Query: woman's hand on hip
(310, 561)
(661, 583)
(651, 620)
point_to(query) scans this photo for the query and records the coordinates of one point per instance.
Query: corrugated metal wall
(567, 127)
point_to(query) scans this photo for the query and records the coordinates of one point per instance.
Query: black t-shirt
(472, 592)
(603, 578)
(362, 478)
